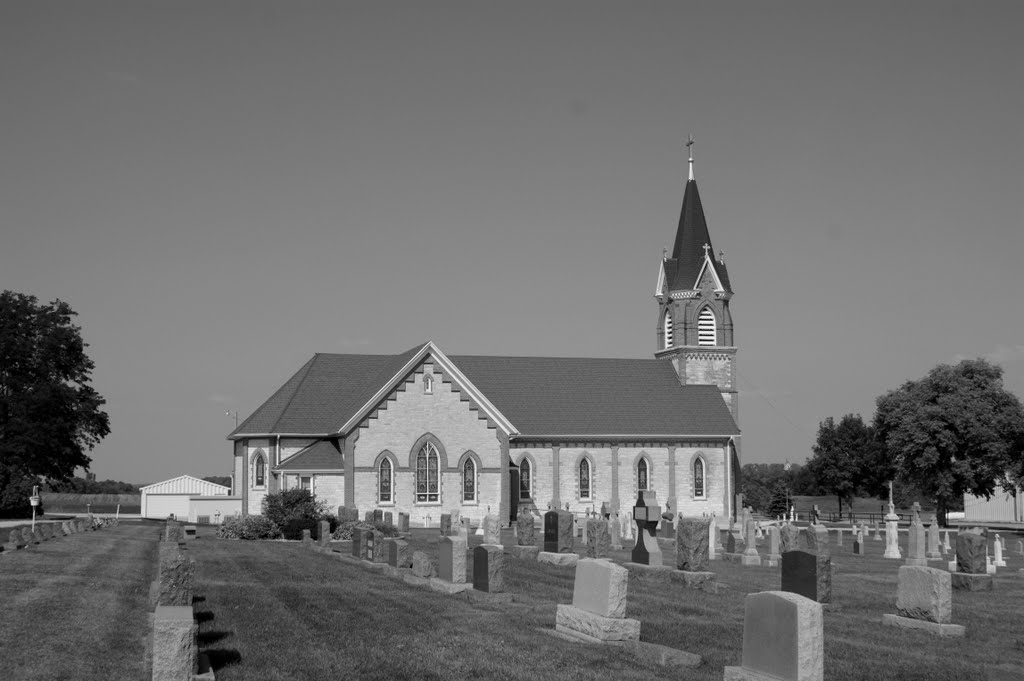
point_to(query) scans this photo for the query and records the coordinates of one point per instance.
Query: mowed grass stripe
(77, 607)
(332, 620)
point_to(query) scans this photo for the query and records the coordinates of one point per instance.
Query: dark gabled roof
(585, 396)
(688, 250)
(319, 456)
(324, 393)
(540, 396)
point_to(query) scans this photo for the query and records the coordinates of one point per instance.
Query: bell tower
(694, 329)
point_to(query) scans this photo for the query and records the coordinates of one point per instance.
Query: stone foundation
(525, 552)
(564, 559)
(968, 582)
(944, 630)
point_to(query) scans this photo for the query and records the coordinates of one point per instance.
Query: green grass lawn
(272, 610)
(76, 607)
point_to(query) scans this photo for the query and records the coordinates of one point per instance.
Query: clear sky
(222, 189)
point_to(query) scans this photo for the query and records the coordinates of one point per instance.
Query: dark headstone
(970, 553)
(398, 553)
(692, 537)
(605, 511)
(378, 515)
(360, 548)
(324, 538)
(524, 528)
(733, 543)
(403, 522)
(446, 524)
(489, 568)
(646, 513)
(808, 574)
(566, 543)
(551, 531)
(389, 518)
(368, 517)
(370, 542)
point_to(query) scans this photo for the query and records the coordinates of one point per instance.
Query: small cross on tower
(706, 249)
(689, 146)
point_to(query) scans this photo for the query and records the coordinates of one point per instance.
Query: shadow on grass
(204, 616)
(207, 637)
(198, 599)
(223, 658)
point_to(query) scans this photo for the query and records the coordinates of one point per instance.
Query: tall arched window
(427, 488)
(698, 478)
(259, 470)
(525, 483)
(585, 479)
(666, 328)
(384, 482)
(469, 480)
(706, 334)
(643, 480)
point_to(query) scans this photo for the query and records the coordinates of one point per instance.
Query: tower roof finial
(689, 149)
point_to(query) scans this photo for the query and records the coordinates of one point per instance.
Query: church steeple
(695, 329)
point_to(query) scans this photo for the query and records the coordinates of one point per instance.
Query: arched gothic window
(384, 481)
(428, 384)
(469, 480)
(585, 479)
(259, 470)
(427, 486)
(666, 328)
(698, 478)
(643, 479)
(525, 482)
(706, 334)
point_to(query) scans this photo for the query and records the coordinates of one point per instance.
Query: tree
(955, 431)
(49, 414)
(844, 455)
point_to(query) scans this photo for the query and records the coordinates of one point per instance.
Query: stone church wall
(411, 414)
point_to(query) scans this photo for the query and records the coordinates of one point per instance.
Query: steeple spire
(689, 148)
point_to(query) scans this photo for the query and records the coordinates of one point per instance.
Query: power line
(778, 411)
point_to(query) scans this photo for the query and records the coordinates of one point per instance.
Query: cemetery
(426, 603)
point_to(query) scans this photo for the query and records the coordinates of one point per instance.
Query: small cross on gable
(706, 249)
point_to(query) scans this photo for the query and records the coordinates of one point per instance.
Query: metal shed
(171, 497)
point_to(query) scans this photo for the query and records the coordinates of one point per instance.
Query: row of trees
(955, 431)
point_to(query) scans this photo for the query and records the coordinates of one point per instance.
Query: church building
(426, 433)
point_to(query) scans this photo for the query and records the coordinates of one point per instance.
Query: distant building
(1003, 507)
(426, 433)
(189, 499)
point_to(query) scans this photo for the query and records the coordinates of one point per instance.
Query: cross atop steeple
(706, 249)
(689, 150)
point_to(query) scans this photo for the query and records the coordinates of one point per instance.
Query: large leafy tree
(49, 414)
(845, 456)
(955, 431)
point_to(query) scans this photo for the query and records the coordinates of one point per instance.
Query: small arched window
(585, 479)
(525, 482)
(666, 329)
(643, 478)
(428, 384)
(706, 334)
(469, 480)
(384, 482)
(259, 470)
(427, 487)
(698, 478)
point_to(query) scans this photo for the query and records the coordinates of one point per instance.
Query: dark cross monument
(646, 514)
(551, 531)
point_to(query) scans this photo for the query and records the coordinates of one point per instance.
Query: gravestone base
(175, 649)
(642, 569)
(488, 596)
(968, 582)
(525, 552)
(943, 630)
(415, 580)
(772, 560)
(561, 559)
(446, 587)
(693, 580)
(659, 654)
(923, 562)
(587, 626)
(750, 561)
(741, 674)
(731, 557)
